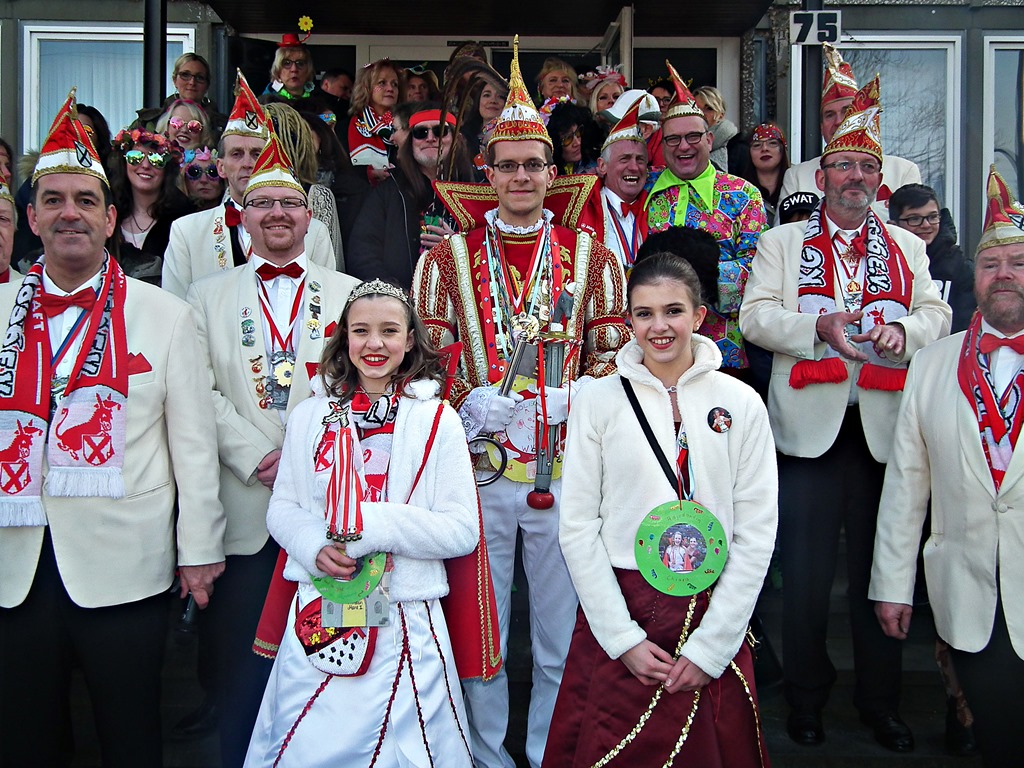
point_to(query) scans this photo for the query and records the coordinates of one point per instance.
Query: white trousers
(553, 605)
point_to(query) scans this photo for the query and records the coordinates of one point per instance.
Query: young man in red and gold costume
(518, 271)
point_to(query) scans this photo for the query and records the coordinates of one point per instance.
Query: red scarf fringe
(829, 370)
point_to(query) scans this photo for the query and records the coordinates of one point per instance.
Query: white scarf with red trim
(85, 436)
(887, 292)
(999, 418)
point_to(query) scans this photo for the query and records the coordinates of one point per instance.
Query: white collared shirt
(281, 291)
(59, 326)
(244, 239)
(613, 208)
(1003, 362)
(841, 277)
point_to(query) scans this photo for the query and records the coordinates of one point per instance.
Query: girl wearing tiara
(374, 491)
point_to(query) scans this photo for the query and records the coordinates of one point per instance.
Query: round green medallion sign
(680, 548)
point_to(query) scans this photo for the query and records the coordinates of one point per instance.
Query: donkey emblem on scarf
(14, 471)
(91, 438)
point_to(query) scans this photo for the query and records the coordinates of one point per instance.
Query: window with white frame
(104, 61)
(1004, 108)
(920, 95)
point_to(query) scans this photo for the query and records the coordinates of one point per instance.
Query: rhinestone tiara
(378, 288)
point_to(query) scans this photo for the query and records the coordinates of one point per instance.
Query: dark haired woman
(576, 139)
(659, 667)
(380, 465)
(144, 182)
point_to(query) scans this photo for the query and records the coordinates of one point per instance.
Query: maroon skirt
(600, 701)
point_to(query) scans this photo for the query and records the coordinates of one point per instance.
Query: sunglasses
(571, 136)
(195, 172)
(192, 126)
(156, 159)
(422, 131)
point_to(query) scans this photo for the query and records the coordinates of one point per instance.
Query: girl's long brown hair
(340, 377)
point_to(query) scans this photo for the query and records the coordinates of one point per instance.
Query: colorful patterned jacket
(736, 220)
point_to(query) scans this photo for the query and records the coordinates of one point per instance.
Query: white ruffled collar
(494, 221)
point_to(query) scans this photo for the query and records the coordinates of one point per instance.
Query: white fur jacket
(611, 480)
(440, 520)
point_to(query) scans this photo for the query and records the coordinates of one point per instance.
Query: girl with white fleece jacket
(652, 675)
(402, 706)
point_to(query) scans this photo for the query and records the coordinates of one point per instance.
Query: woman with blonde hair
(369, 131)
(297, 141)
(187, 123)
(556, 79)
(291, 74)
(723, 130)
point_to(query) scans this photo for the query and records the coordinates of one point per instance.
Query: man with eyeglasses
(691, 192)
(263, 327)
(836, 96)
(216, 239)
(844, 302)
(514, 272)
(915, 208)
(401, 218)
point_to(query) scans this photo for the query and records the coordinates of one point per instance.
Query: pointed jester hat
(68, 147)
(684, 105)
(1004, 216)
(519, 120)
(247, 117)
(861, 129)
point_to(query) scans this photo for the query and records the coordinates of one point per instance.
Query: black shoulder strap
(673, 480)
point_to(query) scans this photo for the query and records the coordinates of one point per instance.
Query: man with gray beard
(955, 442)
(843, 302)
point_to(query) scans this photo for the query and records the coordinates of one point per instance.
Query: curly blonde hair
(367, 76)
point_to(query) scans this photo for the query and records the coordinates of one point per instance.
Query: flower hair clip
(202, 154)
(603, 73)
(126, 139)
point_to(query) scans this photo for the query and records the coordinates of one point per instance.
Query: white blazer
(976, 541)
(245, 432)
(192, 249)
(113, 551)
(895, 173)
(806, 421)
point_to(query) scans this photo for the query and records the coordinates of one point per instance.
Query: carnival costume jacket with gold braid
(450, 288)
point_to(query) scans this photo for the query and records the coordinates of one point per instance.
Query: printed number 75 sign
(814, 27)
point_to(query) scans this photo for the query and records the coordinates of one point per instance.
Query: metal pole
(154, 53)
(811, 97)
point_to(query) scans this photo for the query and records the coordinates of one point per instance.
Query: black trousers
(818, 498)
(992, 680)
(120, 651)
(230, 620)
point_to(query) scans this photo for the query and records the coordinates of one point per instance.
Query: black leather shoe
(197, 723)
(959, 737)
(890, 731)
(805, 728)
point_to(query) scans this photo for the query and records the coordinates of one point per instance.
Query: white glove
(485, 411)
(499, 411)
(556, 404)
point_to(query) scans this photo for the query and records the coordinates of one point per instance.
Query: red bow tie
(232, 216)
(268, 272)
(52, 304)
(990, 343)
(636, 208)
